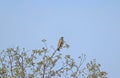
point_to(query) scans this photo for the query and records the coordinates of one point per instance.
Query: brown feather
(60, 43)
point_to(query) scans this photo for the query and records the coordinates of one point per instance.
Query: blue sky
(89, 26)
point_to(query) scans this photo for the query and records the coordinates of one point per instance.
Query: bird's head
(62, 37)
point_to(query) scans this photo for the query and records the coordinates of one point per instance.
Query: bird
(60, 43)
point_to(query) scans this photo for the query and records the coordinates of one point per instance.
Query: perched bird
(60, 43)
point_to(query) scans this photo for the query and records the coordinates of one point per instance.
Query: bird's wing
(60, 43)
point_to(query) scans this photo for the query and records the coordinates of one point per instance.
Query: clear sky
(89, 26)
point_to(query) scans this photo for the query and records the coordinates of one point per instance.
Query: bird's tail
(58, 49)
